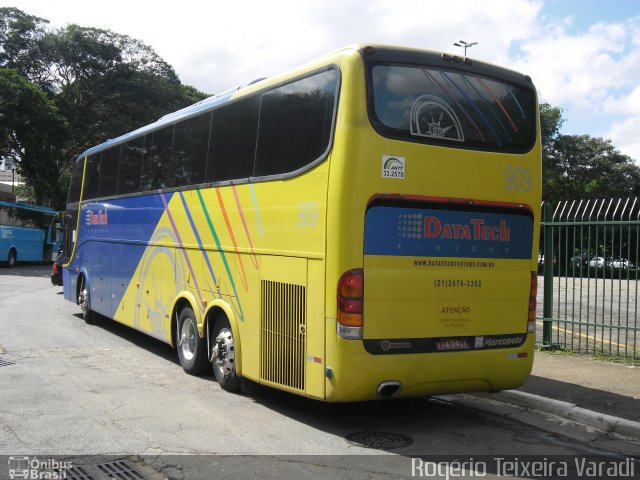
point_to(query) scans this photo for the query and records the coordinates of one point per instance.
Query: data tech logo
(99, 217)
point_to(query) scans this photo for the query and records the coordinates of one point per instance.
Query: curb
(601, 421)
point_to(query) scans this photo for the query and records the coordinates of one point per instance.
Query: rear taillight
(533, 299)
(350, 304)
(54, 269)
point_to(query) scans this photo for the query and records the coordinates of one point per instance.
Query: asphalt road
(602, 305)
(71, 389)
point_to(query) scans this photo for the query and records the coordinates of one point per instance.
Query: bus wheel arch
(224, 341)
(186, 338)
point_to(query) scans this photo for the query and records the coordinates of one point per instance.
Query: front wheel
(83, 300)
(192, 350)
(223, 356)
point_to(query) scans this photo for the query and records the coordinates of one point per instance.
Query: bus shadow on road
(399, 426)
(137, 338)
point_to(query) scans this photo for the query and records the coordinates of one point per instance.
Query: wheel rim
(188, 339)
(82, 300)
(223, 355)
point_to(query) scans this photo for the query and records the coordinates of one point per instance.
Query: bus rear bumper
(358, 375)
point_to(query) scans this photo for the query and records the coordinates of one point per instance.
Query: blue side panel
(428, 232)
(27, 242)
(112, 238)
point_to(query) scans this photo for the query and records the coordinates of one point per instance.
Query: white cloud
(624, 104)
(579, 69)
(217, 45)
(625, 136)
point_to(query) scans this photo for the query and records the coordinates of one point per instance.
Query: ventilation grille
(282, 333)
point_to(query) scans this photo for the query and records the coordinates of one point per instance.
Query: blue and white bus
(28, 233)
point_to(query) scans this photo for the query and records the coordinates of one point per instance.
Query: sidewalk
(600, 395)
(603, 387)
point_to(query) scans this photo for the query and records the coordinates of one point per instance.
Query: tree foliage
(102, 84)
(33, 135)
(22, 42)
(581, 166)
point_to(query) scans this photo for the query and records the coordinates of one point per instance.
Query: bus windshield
(452, 108)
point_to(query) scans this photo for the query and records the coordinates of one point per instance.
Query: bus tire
(223, 355)
(192, 350)
(83, 300)
(89, 317)
(12, 258)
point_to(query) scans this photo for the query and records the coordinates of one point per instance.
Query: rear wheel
(192, 350)
(223, 356)
(12, 258)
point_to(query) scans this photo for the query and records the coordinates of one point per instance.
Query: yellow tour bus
(362, 227)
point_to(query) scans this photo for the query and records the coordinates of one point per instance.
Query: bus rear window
(452, 108)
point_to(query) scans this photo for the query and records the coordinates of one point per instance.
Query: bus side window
(190, 144)
(91, 177)
(157, 160)
(233, 140)
(76, 183)
(130, 167)
(108, 173)
(295, 124)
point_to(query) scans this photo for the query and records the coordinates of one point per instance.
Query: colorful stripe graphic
(254, 259)
(495, 99)
(255, 208)
(197, 235)
(243, 275)
(181, 246)
(444, 88)
(222, 254)
(488, 105)
(484, 119)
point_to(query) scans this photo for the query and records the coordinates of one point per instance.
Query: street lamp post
(465, 45)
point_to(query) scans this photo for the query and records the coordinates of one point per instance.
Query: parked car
(596, 262)
(56, 270)
(620, 263)
(579, 261)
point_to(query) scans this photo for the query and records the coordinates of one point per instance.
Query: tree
(589, 167)
(106, 84)
(21, 42)
(101, 83)
(33, 135)
(581, 166)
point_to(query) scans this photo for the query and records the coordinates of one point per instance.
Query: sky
(583, 55)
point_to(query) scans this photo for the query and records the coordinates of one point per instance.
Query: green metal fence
(588, 278)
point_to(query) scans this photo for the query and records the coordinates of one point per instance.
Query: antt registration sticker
(393, 167)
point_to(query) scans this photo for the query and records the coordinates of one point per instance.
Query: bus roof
(29, 206)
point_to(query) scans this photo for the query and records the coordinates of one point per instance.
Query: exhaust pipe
(388, 389)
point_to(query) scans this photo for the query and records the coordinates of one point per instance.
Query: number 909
(517, 179)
